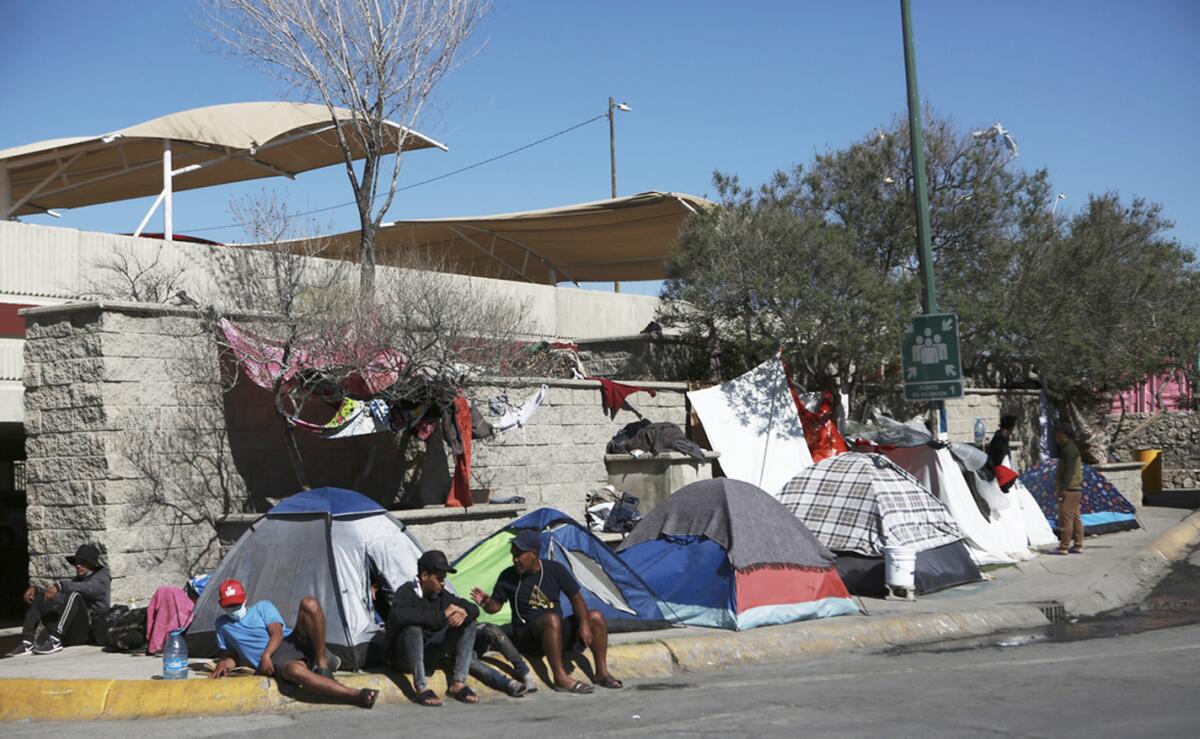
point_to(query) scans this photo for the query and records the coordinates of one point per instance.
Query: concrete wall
(134, 443)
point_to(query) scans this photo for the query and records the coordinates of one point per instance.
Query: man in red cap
(256, 636)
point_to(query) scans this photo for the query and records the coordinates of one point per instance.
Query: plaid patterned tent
(860, 502)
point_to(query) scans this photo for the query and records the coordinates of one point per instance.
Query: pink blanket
(169, 609)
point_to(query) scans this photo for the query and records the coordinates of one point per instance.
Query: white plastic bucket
(900, 567)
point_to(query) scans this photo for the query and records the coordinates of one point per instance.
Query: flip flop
(425, 697)
(579, 688)
(367, 697)
(610, 682)
(464, 695)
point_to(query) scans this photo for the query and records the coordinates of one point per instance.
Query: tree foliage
(822, 262)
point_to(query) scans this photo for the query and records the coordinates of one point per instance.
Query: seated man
(425, 624)
(68, 608)
(532, 587)
(489, 637)
(257, 637)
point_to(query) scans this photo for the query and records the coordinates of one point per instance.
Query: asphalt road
(1145, 684)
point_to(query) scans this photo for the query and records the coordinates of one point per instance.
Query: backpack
(121, 629)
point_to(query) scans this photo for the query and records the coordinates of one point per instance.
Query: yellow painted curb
(1173, 543)
(22, 699)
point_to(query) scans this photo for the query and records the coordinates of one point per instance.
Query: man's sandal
(465, 695)
(367, 697)
(610, 682)
(427, 698)
(579, 688)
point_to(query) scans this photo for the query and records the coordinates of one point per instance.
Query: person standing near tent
(426, 622)
(533, 587)
(999, 449)
(1068, 482)
(68, 608)
(256, 636)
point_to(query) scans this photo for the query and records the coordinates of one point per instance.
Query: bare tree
(123, 274)
(378, 59)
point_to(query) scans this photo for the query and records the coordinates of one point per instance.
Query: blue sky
(1104, 94)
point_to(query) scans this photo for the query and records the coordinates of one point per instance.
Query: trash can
(1151, 460)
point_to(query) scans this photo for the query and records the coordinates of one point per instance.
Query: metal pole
(925, 248)
(917, 143)
(612, 160)
(5, 193)
(168, 211)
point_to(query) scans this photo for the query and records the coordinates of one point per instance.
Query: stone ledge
(709, 456)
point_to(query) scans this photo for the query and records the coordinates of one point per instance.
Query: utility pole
(917, 140)
(917, 143)
(613, 105)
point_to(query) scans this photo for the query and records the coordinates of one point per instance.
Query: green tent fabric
(480, 568)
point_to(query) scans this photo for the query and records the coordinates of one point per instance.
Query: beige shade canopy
(626, 238)
(209, 146)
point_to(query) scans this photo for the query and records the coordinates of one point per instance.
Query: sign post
(930, 358)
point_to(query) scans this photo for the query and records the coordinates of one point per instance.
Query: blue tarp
(329, 501)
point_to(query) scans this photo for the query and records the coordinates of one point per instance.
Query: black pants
(65, 616)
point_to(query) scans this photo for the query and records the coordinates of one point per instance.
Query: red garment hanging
(460, 486)
(613, 394)
(820, 431)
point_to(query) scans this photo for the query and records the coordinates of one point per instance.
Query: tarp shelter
(608, 584)
(857, 503)
(724, 553)
(1103, 508)
(627, 238)
(194, 148)
(994, 531)
(323, 543)
(752, 421)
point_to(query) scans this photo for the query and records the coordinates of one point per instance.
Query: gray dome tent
(323, 543)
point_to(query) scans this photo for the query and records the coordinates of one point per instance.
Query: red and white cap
(232, 594)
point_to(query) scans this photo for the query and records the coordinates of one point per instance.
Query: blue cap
(528, 540)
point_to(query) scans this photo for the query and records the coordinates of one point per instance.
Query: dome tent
(725, 553)
(1102, 507)
(857, 503)
(608, 585)
(324, 543)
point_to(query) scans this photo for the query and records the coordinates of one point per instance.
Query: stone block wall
(1177, 434)
(559, 456)
(124, 443)
(134, 442)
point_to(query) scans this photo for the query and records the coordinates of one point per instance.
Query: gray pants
(415, 650)
(492, 637)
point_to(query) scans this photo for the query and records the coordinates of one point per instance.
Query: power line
(460, 170)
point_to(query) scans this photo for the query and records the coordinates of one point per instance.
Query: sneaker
(51, 645)
(25, 647)
(530, 682)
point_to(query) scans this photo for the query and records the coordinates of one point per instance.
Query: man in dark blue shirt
(532, 587)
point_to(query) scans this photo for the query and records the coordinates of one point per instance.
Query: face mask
(236, 613)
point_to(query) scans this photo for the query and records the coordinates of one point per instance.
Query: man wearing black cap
(67, 608)
(533, 587)
(427, 623)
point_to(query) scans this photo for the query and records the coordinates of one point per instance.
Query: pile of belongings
(611, 511)
(653, 438)
(724, 553)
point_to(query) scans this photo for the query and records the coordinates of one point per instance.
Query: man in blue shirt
(533, 587)
(256, 636)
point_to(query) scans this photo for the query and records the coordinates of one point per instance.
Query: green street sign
(929, 358)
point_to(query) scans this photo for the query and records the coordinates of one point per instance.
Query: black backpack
(121, 629)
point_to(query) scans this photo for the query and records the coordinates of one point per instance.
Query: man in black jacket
(67, 608)
(426, 624)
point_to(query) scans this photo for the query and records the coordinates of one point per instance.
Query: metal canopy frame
(165, 196)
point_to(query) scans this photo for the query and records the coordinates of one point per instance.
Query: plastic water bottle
(980, 430)
(175, 657)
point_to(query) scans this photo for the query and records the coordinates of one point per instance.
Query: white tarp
(1037, 529)
(752, 421)
(986, 539)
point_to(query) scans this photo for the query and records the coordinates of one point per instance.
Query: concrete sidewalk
(1116, 569)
